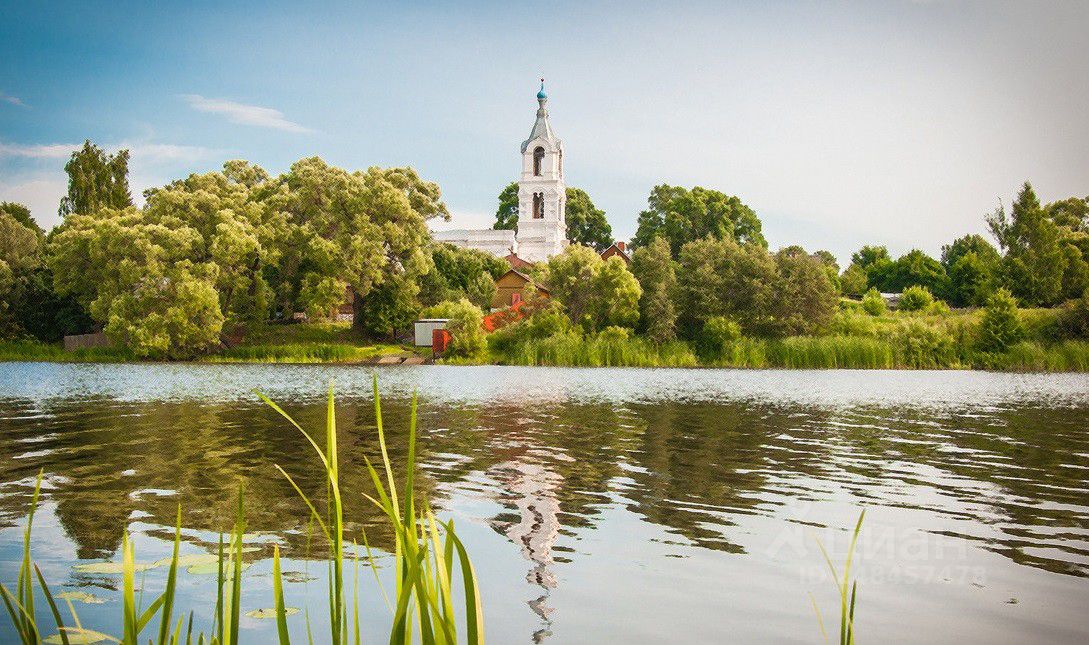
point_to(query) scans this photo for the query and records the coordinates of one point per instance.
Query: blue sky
(841, 124)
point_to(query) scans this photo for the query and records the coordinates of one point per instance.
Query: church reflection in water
(530, 487)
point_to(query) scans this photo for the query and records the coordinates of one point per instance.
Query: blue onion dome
(541, 94)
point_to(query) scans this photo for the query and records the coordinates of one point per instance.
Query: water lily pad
(79, 636)
(297, 576)
(211, 568)
(80, 596)
(189, 560)
(270, 612)
(111, 567)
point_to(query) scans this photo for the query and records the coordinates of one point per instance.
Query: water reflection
(553, 456)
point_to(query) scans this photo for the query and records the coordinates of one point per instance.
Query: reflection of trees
(106, 461)
(692, 468)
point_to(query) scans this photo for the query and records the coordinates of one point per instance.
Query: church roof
(541, 127)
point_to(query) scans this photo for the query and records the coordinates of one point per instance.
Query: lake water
(599, 505)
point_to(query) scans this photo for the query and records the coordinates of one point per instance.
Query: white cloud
(14, 100)
(151, 153)
(37, 151)
(243, 114)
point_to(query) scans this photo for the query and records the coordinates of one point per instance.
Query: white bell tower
(542, 196)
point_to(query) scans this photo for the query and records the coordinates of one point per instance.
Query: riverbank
(856, 341)
(288, 344)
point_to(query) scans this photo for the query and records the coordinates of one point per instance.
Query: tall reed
(847, 589)
(425, 554)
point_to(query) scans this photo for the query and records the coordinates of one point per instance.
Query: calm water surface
(602, 505)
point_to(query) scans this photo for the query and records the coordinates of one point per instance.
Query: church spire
(541, 127)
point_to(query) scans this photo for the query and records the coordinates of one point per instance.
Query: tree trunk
(357, 312)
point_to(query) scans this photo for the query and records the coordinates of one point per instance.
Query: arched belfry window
(538, 159)
(538, 205)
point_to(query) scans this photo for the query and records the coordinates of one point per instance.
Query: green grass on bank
(797, 352)
(301, 343)
(855, 341)
(32, 350)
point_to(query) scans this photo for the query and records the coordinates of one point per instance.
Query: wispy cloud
(14, 100)
(150, 153)
(37, 151)
(243, 114)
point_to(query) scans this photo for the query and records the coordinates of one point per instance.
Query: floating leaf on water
(270, 612)
(211, 568)
(189, 560)
(297, 576)
(80, 596)
(111, 567)
(77, 636)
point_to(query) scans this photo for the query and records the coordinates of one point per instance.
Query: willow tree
(361, 233)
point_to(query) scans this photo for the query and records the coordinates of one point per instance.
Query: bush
(915, 298)
(613, 333)
(718, 333)
(938, 308)
(466, 327)
(1001, 325)
(919, 345)
(873, 303)
(1073, 320)
(853, 323)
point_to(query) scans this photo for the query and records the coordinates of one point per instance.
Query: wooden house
(509, 288)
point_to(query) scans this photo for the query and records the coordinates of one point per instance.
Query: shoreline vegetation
(890, 341)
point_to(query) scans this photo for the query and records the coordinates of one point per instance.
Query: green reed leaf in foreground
(424, 553)
(848, 591)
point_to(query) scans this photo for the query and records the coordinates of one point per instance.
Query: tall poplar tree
(96, 180)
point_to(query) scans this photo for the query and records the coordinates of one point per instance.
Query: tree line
(215, 252)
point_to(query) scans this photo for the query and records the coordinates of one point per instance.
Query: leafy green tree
(805, 297)
(973, 243)
(1071, 215)
(877, 265)
(915, 298)
(461, 273)
(831, 266)
(1001, 325)
(654, 268)
(586, 224)
(1034, 263)
(1073, 320)
(971, 264)
(854, 281)
(174, 314)
(21, 214)
(681, 215)
(139, 272)
(720, 277)
(506, 216)
(916, 268)
(873, 303)
(124, 266)
(234, 231)
(365, 228)
(595, 293)
(20, 255)
(465, 324)
(971, 280)
(96, 180)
